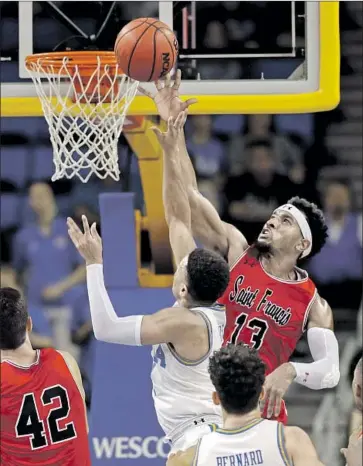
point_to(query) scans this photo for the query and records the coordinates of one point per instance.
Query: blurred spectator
(337, 269)
(41, 335)
(43, 251)
(206, 151)
(253, 195)
(208, 157)
(288, 157)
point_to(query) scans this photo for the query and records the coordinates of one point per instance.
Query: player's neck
(279, 266)
(237, 421)
(24, 355)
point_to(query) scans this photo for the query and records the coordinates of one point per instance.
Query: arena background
(315, 155)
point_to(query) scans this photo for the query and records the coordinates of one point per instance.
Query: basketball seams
(135, 46)
(154, 58)
(119, 37)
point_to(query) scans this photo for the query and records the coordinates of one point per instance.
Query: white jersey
(182, 389)
(260, 443)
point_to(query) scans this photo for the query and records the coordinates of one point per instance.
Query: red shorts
(282, 417)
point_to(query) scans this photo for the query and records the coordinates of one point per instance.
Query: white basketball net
(84, 135)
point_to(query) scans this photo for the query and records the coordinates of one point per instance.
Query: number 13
(258, 326)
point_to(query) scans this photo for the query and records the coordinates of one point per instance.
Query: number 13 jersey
(265, 312)
(43, 419)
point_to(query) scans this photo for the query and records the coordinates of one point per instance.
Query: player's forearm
(107, 326)
(175, 197)
(324, 371)
(187, 169)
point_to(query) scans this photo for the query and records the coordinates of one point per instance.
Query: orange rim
(84, 60)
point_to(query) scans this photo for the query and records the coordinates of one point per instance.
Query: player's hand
(353, 454)
(89, 243)
(276, 385)
(167, 97)
(169, 140)
(53, 292)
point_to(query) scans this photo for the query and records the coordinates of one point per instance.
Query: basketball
(146, 49)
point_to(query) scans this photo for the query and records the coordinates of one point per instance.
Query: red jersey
(42, 414)
(265, 312)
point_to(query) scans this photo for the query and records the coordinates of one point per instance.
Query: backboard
(235, 56)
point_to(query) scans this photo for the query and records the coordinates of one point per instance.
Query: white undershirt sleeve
(324, 371)
(107, 326)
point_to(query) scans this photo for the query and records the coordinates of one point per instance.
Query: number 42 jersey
(43, 419)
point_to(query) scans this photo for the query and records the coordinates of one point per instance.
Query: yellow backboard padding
(325, 98)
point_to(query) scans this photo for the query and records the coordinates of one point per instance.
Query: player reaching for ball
(269, 301)
(183, 336)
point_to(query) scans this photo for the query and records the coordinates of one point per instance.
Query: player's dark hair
(208, 275)
(316, 221)
(13, 319)
(238, 375)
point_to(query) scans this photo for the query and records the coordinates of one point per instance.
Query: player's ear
(216, 399)
(29, 325)
(183, 290)
(302, 245)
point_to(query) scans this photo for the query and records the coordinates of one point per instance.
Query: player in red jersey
(43, 414)
(270, 301)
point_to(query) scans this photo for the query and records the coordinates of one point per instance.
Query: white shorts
(190, 438)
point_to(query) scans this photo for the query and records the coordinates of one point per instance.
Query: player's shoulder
(295, 436)
(189, 318)
(68, 359)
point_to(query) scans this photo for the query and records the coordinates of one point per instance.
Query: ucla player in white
(238, 375)
(183, 336)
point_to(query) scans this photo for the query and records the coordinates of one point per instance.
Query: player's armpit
(208, 227)
(300, 448)
(182, 458)
(76, 373)
(321, 314)
(169, 325)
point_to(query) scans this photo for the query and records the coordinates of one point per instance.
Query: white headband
(302, 222)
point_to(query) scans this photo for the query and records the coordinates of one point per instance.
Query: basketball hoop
(85, 97)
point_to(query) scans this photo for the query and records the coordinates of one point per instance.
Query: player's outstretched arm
(300, 448)
(324, 371)
(207, 226)
(166, 326)
(175, 198)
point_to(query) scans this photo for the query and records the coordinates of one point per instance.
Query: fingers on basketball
(159, 85)
(177, 81)
(167, 82)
